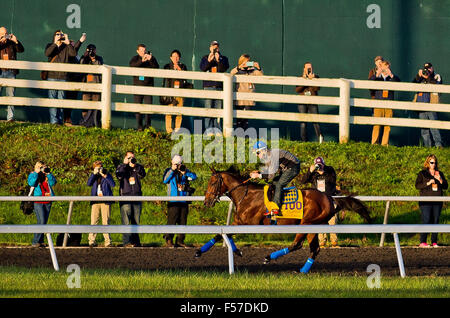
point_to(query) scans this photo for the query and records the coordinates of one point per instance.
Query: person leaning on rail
(144, 59)
(43, 182)
(385, 74)
(9, 47)
(430, 182)
(102, 183)
(251, 68)
(428, 76)
(130, 173)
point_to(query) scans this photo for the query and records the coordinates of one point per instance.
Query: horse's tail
(355, 205)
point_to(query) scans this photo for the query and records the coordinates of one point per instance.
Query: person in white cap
(323, 178)
(177, 178)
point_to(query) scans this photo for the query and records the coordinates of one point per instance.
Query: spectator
(43, 181)
(276, 160)
(174, 64)
(377, 60)
(101, 182)
(383, 73)
(59, 51)
(73, 77)
(427, 76)
(309, 108)
(214, 62)
(130, 174)
(144, 59)
(323, 178)
(245, 67)
(177, 178)
(9, 47)
(91, 118)
(430, 182)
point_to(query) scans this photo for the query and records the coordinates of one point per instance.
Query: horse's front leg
(205, 248)
(314, 248)
(296, 245)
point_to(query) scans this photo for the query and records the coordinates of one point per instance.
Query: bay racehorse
(248, 199)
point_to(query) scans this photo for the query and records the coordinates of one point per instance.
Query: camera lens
(103, 170)
(46, 170)
(133, 160)
(182, 168)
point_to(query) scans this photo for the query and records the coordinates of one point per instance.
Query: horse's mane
(234, 171)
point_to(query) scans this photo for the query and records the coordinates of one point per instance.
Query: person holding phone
(308, 73)
(430, 182)
(245, 67)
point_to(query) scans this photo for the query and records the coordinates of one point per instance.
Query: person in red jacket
(431, 182)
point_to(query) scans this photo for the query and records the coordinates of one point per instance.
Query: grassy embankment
(362, 169)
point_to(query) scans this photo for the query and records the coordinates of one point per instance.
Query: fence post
(386, 216)
(69, 219)
(227, 105)
(106, 96)
(344, 111)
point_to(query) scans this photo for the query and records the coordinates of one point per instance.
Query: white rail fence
(343, 101)
(395, 229)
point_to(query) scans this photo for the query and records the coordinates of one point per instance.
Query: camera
(425, 72)
(91, 52)
(62, 37)
(317, 167)
(45, 169)
(215, 51)
(102, 170)
(309, 71)
(182, 168)
(133, 160)
(250, 64)
(8, 37)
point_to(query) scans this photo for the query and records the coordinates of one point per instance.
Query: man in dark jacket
(9, 47)
(383, 73)
(130, 174)
(59, 51)
(145, 59)
(323, 178)
(428, 76)
(214, 62)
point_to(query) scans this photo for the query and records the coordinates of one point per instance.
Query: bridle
(217, 190)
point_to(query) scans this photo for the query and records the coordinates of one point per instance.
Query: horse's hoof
(238, 253)
(198, 253)
(266, 260)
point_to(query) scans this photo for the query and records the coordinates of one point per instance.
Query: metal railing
(221, 230)
(343, 101)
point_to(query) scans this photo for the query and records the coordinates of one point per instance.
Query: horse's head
(216, 188)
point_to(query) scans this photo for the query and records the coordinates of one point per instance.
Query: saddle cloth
(292, 207)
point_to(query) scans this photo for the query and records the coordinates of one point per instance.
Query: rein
(217, 191)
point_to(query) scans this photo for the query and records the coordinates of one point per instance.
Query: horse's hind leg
(314, 248)
(296, 245)
(205, 248)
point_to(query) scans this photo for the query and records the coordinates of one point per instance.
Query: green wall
(280, 34)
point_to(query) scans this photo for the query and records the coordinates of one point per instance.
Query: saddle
(292, 198)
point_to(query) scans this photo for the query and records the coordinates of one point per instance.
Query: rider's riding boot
(277, 212)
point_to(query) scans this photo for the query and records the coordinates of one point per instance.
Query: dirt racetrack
(344, 261)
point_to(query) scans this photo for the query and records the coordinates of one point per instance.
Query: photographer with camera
(427, 76)
(323, 178)
(214, 62)
(144, 59)
(245, 67)
(59, 51)
(383, 73)
(102, 183)
(178, 178)
(42, 180)
(174, 64)
(308, 73)
(130, 174)
(9, 47)
(91, 118)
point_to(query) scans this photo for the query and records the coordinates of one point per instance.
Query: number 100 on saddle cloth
(292, 207)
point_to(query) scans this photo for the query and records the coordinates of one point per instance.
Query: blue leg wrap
(208, 245)
(305, 269)
(233, 246)
(279, 253)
